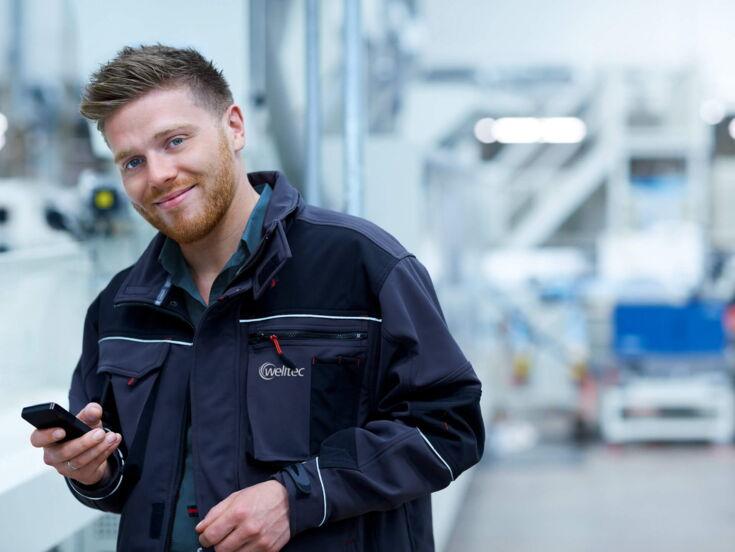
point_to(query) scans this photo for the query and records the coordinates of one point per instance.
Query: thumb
(91, 414)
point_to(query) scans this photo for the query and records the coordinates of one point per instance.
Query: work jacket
(327, 365)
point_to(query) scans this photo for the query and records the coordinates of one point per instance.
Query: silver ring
(71, 466)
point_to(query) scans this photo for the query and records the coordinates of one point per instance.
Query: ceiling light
(563, 130)
(484, 130)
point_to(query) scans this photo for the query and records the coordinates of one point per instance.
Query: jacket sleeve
(426, 428)
(104, 495)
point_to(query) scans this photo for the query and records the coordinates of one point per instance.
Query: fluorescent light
(532, 130)
(517, 130)
(731, 128)
(712, 111)
(3, 123)
(484, 130)
(563, 130)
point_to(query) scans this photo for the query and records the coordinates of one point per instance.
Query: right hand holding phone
(83, 459)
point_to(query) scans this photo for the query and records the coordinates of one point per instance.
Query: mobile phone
(47, 415)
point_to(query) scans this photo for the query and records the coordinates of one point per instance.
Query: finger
(213, 514)
(91, 414)
(45, 437)
(75, 447)
(221, 524)
(217, 531)
(93, 473)
(102, 450)
(239, 540)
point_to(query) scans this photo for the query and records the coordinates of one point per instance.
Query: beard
(218, 191)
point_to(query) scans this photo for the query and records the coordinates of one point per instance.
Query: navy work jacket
(327, 365)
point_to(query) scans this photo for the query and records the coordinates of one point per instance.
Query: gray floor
(636, 498)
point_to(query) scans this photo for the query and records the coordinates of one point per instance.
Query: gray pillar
(353, 109)
(313, 106)
(257, 53)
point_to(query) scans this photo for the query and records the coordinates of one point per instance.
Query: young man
(269, 374)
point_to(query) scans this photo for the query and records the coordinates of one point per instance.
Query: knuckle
(241, 511)
(252, 528)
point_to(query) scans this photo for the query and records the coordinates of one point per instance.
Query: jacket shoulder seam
(347, 225)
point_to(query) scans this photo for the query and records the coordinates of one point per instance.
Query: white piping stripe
(370, 318)
(324, 492)
(112, 492)
(451, 473)
(120, 338)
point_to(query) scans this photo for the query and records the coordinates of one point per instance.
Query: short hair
(135, 71)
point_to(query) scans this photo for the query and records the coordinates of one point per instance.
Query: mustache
(174, 191)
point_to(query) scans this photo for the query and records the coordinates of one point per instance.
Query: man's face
(177, 165)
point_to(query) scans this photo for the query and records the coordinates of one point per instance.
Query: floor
(557, 497)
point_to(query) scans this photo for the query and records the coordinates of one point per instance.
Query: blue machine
(693, 329)
(674, 382)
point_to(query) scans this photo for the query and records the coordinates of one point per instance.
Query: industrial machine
(674, 377)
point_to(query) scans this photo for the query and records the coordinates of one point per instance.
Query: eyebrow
(157, 136)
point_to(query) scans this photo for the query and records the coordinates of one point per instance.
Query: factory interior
(565, 171)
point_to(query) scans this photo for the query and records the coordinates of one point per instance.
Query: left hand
(251, 520)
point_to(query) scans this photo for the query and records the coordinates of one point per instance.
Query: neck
(208, 256)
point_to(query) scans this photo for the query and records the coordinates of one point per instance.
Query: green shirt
(185, 538)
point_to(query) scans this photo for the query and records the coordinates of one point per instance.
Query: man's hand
(251, 520)
(83, 459)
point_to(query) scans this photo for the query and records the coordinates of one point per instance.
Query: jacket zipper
(159, 309)
(262, 337)
(179, 470)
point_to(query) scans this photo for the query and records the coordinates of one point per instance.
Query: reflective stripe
(324, 492)
(112, 492)
(120, 338)
(370, 318)
(451, 473)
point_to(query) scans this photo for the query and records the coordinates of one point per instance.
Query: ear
(234, 124)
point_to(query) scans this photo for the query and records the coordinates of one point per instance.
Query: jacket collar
(148, 281)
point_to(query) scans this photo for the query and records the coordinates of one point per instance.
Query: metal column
(313, 106)
(353, 109)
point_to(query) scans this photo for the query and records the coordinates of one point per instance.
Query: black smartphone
(47, 415)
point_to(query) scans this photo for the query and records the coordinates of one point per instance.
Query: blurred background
(565, 170)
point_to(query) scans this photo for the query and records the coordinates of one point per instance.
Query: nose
(161, 170)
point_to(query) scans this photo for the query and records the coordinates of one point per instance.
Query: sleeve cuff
(307, 498)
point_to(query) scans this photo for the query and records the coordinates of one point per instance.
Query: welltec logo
(268, 371)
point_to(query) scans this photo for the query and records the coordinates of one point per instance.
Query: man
(269, 374)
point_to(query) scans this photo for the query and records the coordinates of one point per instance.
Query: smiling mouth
(174, 197)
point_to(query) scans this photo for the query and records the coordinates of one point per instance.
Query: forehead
(138, 122)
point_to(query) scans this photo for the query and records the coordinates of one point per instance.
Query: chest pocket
(303, 385)
(133, 368)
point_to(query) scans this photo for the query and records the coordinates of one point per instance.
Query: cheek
(135, 190)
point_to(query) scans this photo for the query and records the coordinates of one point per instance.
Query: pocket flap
(131, 358)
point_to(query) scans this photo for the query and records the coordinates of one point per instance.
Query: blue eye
(176, 141)
(133, 163)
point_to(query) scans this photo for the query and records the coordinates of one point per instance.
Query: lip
(174, 199)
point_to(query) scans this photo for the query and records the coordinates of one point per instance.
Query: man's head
(169, 119)
(135, 71)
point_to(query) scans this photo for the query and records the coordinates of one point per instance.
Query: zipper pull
(286, 361)
(274, 339)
